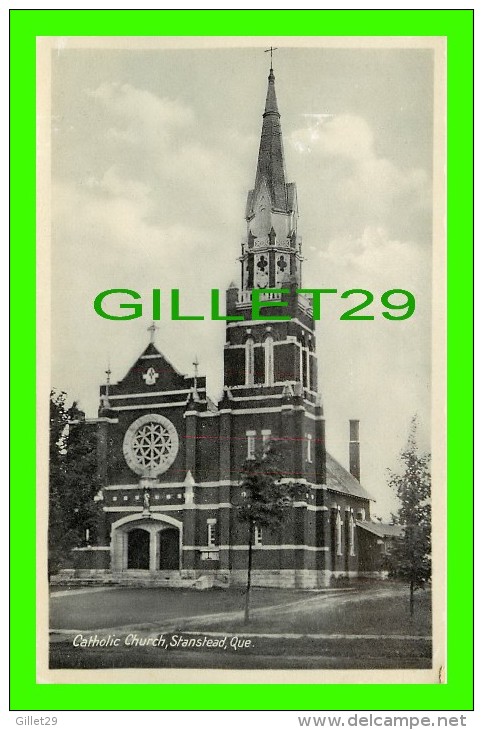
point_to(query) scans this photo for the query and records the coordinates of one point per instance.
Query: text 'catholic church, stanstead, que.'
(170, 459)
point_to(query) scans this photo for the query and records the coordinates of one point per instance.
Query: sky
(153, 153)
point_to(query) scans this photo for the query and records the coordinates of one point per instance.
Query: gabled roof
(166, 375)
(340, 480)
(381, 529)
(151, 349)
(152, 352)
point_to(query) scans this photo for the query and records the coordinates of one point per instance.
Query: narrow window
(338, 534)
(309, 447)
(269, 360)
(251, 444)
(305, 368)
(211, 532)
(266, 434)
(351, 535)
(258, 536)
(249, 362)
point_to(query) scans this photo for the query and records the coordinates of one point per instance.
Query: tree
(73, 479)
(410, 557)
(265, 499)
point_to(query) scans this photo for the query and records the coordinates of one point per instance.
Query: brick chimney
(354, 450)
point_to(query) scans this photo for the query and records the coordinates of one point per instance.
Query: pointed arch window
(249, 361)
(269, 380)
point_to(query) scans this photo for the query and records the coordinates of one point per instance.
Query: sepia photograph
(241, 282)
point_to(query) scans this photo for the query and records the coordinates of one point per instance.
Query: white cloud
(374, 254)
(360, 187)
(136, 105)
(118, 185)
(344, 135)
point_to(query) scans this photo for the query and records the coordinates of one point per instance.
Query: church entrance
(138, 542)
(146, 543)
(169, 549)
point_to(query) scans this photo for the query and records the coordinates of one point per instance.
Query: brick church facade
(170, 459)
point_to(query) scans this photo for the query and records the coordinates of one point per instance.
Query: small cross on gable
(152, 331)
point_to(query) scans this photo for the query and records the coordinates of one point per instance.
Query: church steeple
(271, 163)
(268, 356)
(271, 253)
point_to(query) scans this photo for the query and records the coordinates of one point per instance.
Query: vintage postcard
(241, 399)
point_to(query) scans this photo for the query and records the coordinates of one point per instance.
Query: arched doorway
(149, 543)
(138, 542)
(169, 549)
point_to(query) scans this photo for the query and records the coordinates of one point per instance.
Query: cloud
(344, 135)
(148, 204)
(156, 142)
(374, 255)
(142, 111)
(117, 185)
(359, 186)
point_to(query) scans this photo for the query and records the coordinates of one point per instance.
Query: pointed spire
(271, 164)
(195, 380)
(271, 106)
(108, 377)
(104, 400)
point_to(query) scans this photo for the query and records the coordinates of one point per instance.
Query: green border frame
(457, 26)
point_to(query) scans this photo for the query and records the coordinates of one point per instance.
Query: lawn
(356, 628)
(381, 609)
(347, 613)
(112, 607)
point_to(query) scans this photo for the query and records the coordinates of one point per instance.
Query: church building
(170, 459)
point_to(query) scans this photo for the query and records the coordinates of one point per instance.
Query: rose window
(151, 445)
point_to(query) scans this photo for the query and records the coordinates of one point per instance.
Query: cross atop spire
(152, 331)
(270, 51)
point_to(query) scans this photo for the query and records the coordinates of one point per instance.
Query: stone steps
(138, 578)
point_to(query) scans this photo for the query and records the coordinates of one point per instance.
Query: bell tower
(271, 355)
(272, 251)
